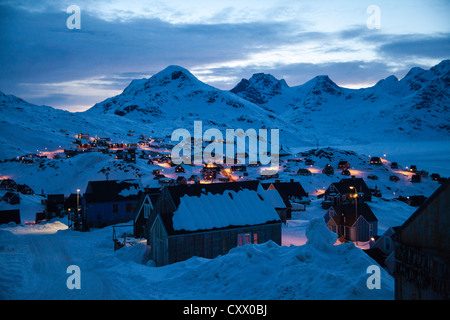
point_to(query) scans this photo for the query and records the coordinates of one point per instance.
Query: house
(143, 210)
(209, 174)
(54, 205)
(291, 192)
(394, 165)
(413, 168)
(110, 202)
(303, 172)
(179, 169)
(8, 184)
(181, 180)
(345, 190)
(24, 189)
(376, 161)
(435, 176)
(422, 251)
(7, 216)
(382, 249)
(280, 206)
(352, 222)
(343, 165)
(83, 136)
(11, 198)
(207, 220)
(328, 170)
(238, 168)
(416, 178)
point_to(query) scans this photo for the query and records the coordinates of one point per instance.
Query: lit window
(255, 238)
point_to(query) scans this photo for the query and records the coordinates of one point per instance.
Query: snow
(33, 266)
(222, 210)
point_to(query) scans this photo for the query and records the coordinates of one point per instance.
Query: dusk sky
(220, 42)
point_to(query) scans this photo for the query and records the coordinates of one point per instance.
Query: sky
(355, 42)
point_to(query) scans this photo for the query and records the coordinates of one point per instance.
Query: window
(115, 208)
(255, 238)
(370, 227)
(146, 211)
(387, 244)
(243, 238)
(129, 207)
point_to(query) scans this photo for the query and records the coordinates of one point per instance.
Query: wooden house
(328, 170)
(143, 210)
(181, 180)
(207, 220)
(304, 172)
(352, 222)
(54, 205)
(7, 216)
(110, 202)
(394, 165)
(8, 184)
(11, 198)
(422, 251)
(179, 169)
(280, 206)
(376, 161)
(346, 190)
(291, 192)
(343, 165)
(24, 189)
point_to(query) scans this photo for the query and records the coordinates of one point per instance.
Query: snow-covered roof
(209, 211)
(275, 199)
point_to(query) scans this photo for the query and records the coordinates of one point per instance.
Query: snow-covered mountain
(175, 98)
(416, 106)
(413, 108)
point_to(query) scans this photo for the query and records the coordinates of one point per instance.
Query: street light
(356, 208)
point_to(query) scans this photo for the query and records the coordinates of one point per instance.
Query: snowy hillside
(174, 98)
(415, 107)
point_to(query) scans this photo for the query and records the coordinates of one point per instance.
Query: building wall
(211, 244)
(98, 215)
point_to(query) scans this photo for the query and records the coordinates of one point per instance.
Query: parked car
(394, 178)
(372, 177)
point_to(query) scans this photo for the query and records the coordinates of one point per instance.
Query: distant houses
(207, 220)
(110, 202)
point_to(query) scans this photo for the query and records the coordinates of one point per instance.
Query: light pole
(356, 209)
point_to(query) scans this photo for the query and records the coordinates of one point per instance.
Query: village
(162, 198)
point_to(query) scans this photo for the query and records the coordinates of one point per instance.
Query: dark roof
(344, 185)
(288, 190)
(178, 191)
(110, 190)
(11, 196)
(348, 211)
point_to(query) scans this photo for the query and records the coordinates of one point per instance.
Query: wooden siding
(208, 244)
